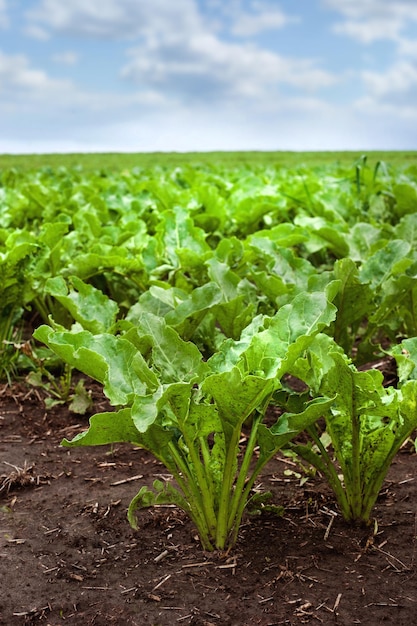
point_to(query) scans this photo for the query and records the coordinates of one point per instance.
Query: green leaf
(406, 198)
(236, 395)
(172, 358)
(324, 234)
(392, 259)
(52, 233)
(81, 400)
(313, 366)
(200, 300)
(353, 302)
(406, 229)
(273, 350)
(87, 305)
(362, 238)
(110, 360)
(165, 493)
(179, 234)
(289, 425)
(405, 355)
(105, 428)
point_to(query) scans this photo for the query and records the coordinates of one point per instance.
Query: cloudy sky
(150, 75)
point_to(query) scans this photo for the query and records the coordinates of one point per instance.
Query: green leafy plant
(15, 251)
(190, 413)
(366, 424)
(59, 390)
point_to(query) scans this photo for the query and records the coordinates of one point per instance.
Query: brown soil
(68, 554)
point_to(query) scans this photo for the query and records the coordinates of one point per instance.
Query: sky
(202, 75)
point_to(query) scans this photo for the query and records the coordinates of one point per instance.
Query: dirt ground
(68, 554)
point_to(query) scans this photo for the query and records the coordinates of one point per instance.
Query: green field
(194, 288)
(120, 161)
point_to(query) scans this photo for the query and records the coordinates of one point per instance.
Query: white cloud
(393, 115)
(178, 53)
(127, 19)
(291, 126)
(407, 47)
(204, 68)
(27, 90)
(66, 58)
(371, 20)
(400, 78)
(359, 9)
(17, 77)
(263, 17)
(392, 93)
(194, 80)
(182, 73)
(4, 20)
(36, 32)
(370, 30)
(114, 19)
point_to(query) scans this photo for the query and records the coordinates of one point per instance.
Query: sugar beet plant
(366, 423)
(188, 412)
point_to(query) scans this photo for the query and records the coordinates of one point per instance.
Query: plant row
(193, 294)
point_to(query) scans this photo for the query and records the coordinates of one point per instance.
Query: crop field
(229, 341)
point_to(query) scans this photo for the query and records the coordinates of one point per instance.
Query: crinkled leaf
(87, 305)
(392, 259)
(289, 425)
(236, 395)
(405, 355)
(172, 358)
(289, 333)
(106, 358)
(362, 238)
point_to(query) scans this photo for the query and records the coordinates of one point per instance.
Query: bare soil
(68, 554)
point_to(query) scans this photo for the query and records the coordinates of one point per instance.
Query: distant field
(120, 161)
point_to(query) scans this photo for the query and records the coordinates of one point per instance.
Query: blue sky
(186, 75)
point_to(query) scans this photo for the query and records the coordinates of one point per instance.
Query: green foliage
(189, 413)
(189, 288)
(365, 423)
(117, 162)
(250, 237)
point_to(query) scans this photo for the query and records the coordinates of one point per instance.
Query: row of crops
(196, 295)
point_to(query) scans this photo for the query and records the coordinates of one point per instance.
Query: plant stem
(42, 309)
(192, 494)
(205, 453)
(354, 483)
(228, 479)
(331, 474)
(206, 499)
(243, 473)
